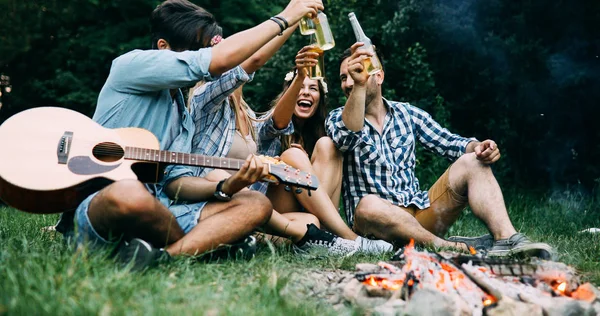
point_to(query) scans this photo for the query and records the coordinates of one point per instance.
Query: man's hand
(487, 152)
(356, 67)
(297, 9)
(252, 170)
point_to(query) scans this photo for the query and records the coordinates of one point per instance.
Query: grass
(40, 275)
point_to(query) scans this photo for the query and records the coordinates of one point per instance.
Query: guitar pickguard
(83, 165)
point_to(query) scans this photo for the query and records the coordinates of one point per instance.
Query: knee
(368, 208)
(296, 158)
(128, 198)
(325, 149)
(259, 206)
(468, 163)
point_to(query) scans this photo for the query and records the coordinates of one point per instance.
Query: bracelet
(281, 26)
(285, 22)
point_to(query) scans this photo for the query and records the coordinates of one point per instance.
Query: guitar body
(53, 158)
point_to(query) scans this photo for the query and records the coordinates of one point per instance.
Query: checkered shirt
(384, 164)
(215, 122)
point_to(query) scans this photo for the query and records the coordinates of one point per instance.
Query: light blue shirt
(137, 94)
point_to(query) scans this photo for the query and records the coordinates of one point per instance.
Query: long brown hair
(313, 128)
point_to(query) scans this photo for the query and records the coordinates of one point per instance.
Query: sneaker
(371, 246)
(483, 242)
(519, 244)
(316, 238)
(140, 254)
(242, 249)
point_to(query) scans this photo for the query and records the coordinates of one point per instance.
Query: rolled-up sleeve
(210, 96)
(142, 71)
(343, 138)
(436, 138)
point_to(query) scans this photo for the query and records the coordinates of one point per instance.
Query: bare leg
(291, 225)
(224, 223)
(377, 217)
(327, 164)
(127, 208)
(468, 175)
(319, 203)
(285, 224)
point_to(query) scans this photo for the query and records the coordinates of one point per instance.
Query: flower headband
(290, 75)
(215, 40)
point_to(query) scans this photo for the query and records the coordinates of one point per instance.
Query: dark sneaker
(519, 245)
(483, 242)
(371, 246)
(140, 255)
(316, 238)
(242, 249)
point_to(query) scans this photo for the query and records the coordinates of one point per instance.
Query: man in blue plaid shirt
(382, 197)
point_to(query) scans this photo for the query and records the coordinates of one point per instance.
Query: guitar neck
(176, 158)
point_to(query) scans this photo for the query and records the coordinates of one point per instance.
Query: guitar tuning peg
(298, 191)
(287, 188)
(308, 191)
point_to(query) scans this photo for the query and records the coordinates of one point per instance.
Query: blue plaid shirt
(384, 164)
(215, 122)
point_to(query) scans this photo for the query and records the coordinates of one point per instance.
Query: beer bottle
(372, 64)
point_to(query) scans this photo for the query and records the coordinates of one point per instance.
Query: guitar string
(116, 150)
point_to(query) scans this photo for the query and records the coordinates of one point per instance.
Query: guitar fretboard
(176, 158)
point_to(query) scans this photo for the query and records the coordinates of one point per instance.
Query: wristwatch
(219, 194)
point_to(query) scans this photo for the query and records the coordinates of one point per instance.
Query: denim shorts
(83, 232)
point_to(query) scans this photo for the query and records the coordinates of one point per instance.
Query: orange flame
(489, 300)
(384, 283)
(472, 251)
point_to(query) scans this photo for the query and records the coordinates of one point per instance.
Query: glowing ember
(472, 250)
(562, 287)
(387, 284)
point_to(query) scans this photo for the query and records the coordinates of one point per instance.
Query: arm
(436, 138)
(284, 109)
(260, 58)
(343, 138)
(237, 48)
(202, 189)
(211, 94)
(354, 111)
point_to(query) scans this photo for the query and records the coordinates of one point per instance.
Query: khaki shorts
(445, 207)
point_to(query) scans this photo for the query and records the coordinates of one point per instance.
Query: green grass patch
(40, 275)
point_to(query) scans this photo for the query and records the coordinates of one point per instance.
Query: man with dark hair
(143, 90)
(381, 193)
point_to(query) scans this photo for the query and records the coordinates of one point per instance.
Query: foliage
(521, 73)
(41, 275)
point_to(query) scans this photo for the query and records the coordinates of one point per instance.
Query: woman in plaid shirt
(227, 127)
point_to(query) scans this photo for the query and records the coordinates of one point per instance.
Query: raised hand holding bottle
(372, 64)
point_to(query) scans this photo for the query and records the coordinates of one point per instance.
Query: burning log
(477, 284)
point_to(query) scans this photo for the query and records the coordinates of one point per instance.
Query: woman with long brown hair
(303, 103)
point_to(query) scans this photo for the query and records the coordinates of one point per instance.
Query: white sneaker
(316, 238)
(371, 246)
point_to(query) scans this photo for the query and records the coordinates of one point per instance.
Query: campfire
(421, 282)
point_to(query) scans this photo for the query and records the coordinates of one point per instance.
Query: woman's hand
(305, 58)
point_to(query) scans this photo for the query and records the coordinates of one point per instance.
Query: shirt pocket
(401, 148)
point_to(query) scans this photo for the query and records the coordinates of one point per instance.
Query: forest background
(524, 73)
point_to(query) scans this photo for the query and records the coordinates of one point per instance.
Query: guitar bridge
(64, 145)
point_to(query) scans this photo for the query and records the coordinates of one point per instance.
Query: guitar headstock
(288, 175)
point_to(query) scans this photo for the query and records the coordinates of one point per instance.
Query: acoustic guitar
(53, 158)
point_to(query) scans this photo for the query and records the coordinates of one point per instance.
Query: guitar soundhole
(108, 152)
